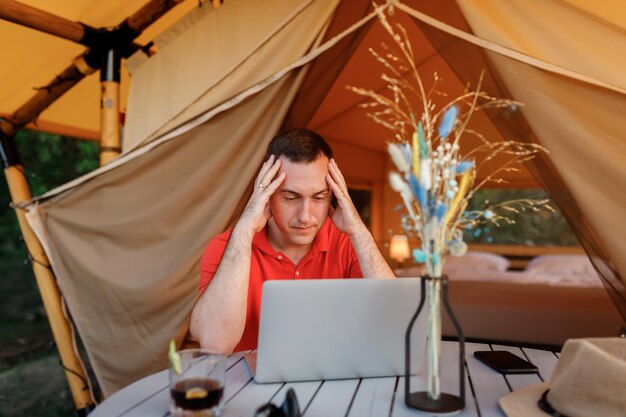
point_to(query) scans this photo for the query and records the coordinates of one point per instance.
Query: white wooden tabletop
(352, 397)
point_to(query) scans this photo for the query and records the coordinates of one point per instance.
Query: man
(288, 230)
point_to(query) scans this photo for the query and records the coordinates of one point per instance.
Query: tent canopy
(33, 59)
(125, 241)
(37, 58)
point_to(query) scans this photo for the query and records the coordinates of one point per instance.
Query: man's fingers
(337, 175)
(343, 198)
(264, 168)
(269, 174)
(337, 170)
(339, 193)
(275, 183)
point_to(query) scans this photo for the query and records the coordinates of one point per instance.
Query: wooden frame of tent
(105, 50)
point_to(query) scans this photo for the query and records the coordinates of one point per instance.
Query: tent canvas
(128, 237)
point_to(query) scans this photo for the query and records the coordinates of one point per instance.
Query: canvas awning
(32, 59)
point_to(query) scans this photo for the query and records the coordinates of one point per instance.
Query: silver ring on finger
(261, 186)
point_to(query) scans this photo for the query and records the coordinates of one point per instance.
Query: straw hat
(589, 380)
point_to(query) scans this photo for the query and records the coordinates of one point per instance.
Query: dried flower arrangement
(434, 179)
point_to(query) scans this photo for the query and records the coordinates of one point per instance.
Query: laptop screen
(337, 328)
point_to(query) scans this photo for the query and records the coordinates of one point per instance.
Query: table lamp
(399, 248)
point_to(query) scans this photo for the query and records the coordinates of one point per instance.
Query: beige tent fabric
(126, 252)
(252, 39)
(585, 130)
(512, 53)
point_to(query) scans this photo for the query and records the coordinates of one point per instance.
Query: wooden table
(352, 397)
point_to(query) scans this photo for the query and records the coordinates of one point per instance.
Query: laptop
(337, 328)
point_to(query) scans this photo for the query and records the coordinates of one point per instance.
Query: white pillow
(477, 261)
(568, 265)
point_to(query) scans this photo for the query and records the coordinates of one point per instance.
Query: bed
(556, 297)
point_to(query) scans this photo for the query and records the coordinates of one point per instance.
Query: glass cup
(198, 391)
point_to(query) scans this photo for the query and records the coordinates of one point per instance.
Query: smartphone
(505, 362)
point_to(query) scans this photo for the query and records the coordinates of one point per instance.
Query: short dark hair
(299, 145)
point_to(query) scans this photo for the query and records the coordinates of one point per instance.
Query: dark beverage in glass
(197, 383)
(197, 394)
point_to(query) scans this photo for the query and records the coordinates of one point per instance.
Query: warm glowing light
(399, 248)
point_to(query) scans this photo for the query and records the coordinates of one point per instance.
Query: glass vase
(433, 343)
(434, 292)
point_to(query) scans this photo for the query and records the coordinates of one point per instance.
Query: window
(531, 228)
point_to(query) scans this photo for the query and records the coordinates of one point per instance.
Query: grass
(32, 381)
(35, 387)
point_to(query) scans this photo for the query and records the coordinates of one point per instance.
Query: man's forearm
(371, 261)
(219, 317)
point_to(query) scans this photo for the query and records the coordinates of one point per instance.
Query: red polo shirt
(331, 256)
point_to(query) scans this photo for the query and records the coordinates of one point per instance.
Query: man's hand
(219, 317)
(257, 211)
(345, 217)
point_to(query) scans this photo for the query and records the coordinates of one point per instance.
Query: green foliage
(51, 160)
(542, 228)
(31, 385)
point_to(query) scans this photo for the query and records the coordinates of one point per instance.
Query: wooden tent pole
(42, 21)
(50, 294)
(148, 14)
(47, 95)
(110, 146)
(89, 61)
